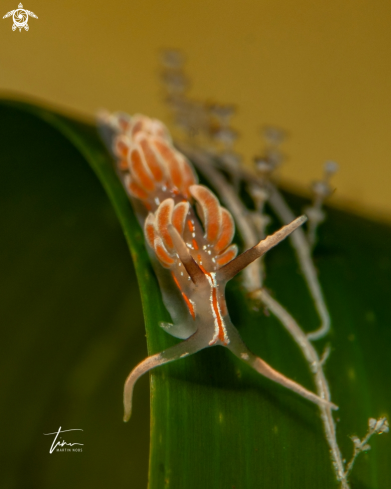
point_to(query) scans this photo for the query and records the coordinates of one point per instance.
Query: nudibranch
(189, 237)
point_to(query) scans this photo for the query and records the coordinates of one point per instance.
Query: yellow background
(320, 69)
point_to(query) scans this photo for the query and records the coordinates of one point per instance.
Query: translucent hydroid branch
(245, 224)
(253, 281)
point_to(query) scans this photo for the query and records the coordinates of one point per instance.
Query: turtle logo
(20, 17)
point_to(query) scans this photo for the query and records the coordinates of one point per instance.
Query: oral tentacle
(239, 349)
(187, 347)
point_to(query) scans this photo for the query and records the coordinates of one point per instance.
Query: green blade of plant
(71, 318)
(215, 423)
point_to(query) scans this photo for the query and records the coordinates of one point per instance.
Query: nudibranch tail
(189, 236)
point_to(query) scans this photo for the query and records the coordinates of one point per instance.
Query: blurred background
(319, 70)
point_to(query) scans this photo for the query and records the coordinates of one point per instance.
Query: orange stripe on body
(215, 305)
(188, 303)
(190, 225)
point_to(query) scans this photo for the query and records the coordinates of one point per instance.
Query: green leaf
(72, 333)
(71, 317)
